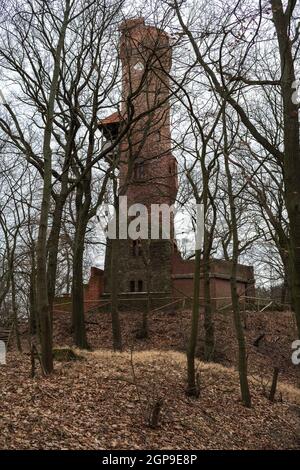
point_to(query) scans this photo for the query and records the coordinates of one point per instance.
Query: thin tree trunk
(274, 384)
(32, 307)
(52, 246)
(15, 312)
(145, 247)
(291, 145)
(34, 323)
(192, 386)
(114, 276)
(41, 249)
(209, 343)
(78, 320)
(115, 318)
(68, 279)
(146, 311)
(53, 240)
(242, 355)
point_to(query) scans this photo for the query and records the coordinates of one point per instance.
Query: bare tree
(229, 78)
(242, 355)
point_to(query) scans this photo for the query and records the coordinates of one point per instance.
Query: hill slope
(170, 330)
(104, 400)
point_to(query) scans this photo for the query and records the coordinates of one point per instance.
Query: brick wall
(94, 289)
(220, 273)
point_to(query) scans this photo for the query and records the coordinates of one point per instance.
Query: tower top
(133, 26)
(144, 42)
(132, 23)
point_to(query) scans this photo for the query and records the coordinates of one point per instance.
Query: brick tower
(147, 168)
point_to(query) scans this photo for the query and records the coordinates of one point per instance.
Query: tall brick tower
(147, 168)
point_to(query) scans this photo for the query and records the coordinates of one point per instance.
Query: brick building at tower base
(182, 280)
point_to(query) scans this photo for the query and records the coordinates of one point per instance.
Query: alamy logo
(2, 353)
(296, 353)
(154, 222)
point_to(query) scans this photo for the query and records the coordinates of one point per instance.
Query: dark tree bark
(145, 251)
(239, 331)
(192, 386)
(34, 324)
(53, 240)
(114, 276)
(291, 143)
(116, 326)
(78, 321)
(209, 343)
(15, 312)
(41, 248)
(274, 384)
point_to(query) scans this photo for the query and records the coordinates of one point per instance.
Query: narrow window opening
(132, 286)
(139, 171)
(136, 248)
(140, 286)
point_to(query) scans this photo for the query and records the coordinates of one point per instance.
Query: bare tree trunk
(68, 280)
(144, 331)
(60, 199)
(15, 312)
(34, 324)
(52, 248)
(291, 143)
(274, 384)
(42, 292)
(41, 249)
(209, 343)
(32, 307)
(242, 356)
(147, 310)
(78, 321)
(192, 386)
(115, 318)
(284, 290)
(114, 276)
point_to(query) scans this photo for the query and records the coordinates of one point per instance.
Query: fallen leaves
(98, 404)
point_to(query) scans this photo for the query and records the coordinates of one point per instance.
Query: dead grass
(169, 331)
(175, 358)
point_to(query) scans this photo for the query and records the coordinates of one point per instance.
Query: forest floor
(105, 400)
(170, 331)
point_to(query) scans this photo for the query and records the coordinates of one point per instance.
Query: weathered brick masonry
(148, 170)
